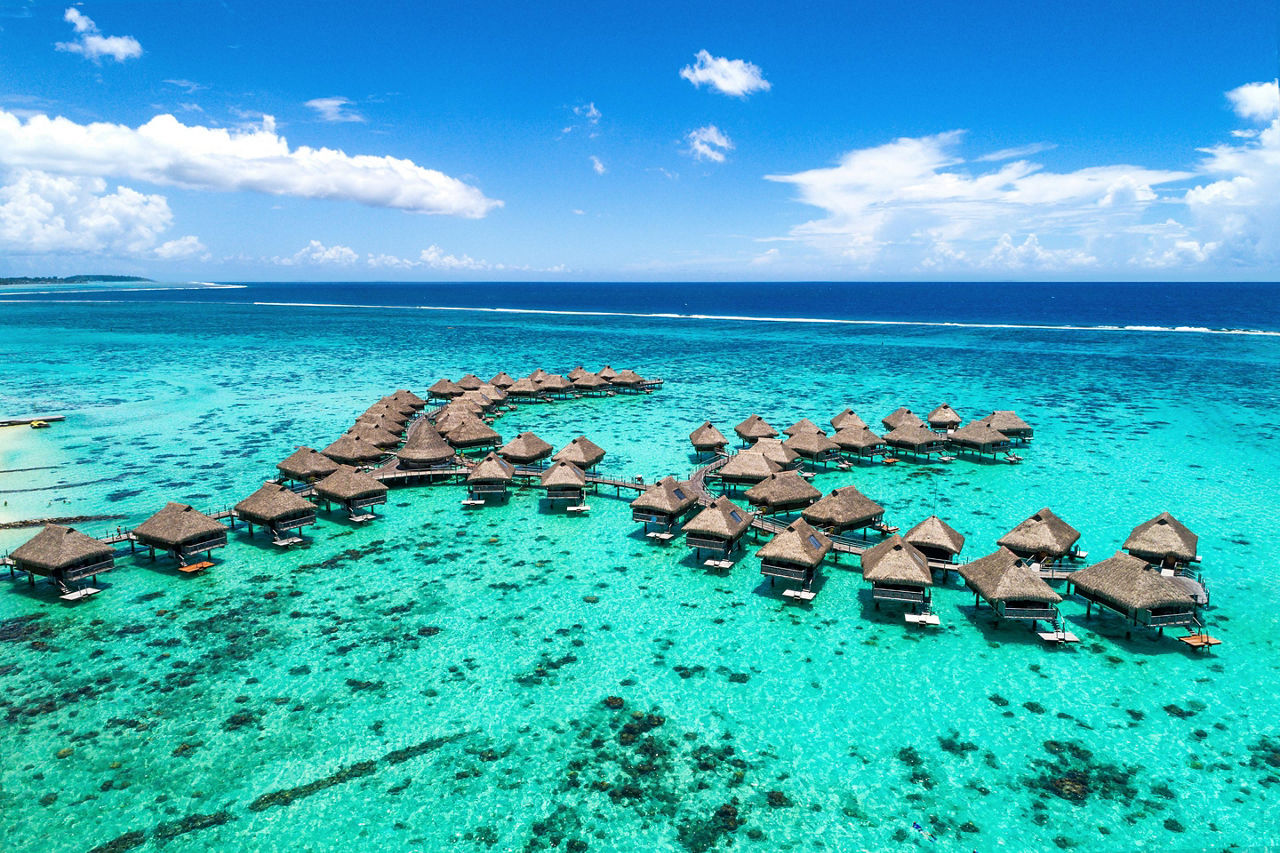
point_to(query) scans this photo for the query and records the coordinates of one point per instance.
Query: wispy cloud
(735, 77)
(92, 44)
(190, 86)
(1015, 153)
(334, 109)
(589, 112)
(432, 257)
(597, 165)
(708, 143)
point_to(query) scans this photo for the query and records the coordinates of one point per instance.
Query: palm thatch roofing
(1042, 533)
(273, 503)
(857, 439)
(589, 382)
(1001, 576)
(802, 426)
(810, 445)
(555, 383)
(409, 397)
(783, 490)
(1007, 422)
(561, 475)
(426, 446)
(445, 388)
(470, 382)
(753, 428)
(582, 452)
(471, 432)
(177, 525)
(936, 535)
(388, 411)
(577, 373)
(389, 425)
(57, 548)
(525, 448)
(722, 520)
(627, 377)
(749, 466)
(799, 545)
(978, 435)
(901, 416)
(607, 373)
(1161, 538)
(452, 415)
(842, 509)
(459, 406)
(348, 484)
(896, 561)
(846, 420)
(476, 398)
(707, 437)
(944, 417)
(1129, 584)
(668, 496)
(912, 437)
(375, 435)
(502, 379)
(524, 387)
(493, 392)
(492, 470)
(538, 375)
(775, 451)
(353, 449)
(305, 464)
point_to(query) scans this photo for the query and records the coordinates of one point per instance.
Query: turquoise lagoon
(438, 679)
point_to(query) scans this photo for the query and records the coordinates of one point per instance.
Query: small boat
(39, 424)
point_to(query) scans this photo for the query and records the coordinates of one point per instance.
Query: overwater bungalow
(491, 477)
(555, 385)
(916, 439)
(794, 554)
(582, 452)
(776, 451)
(537, 376)
(353, 449)
(708, 439)
(859, 442)
(525, 449)
(804, 425)
(564, 481)
(749, 466)
(65, 556)
(577, 373)
(1130, 586)
(898, 572)
(753, 429)
(478, 399)
(664, 504)
(502, 380)
(279, 510)
(380, 424)
(944, 418)
(525, 388)
(848, 419)
(305, 465)
(470, 382)
(590, 384)
(1013, 590)
(717, 528)
(412, 399)
(425, 449)
(472, 434)
(980, 439)
(375, 435)
(445, 389)
(1043, 539)
(607, 373)
(814, 446)
(387, 412)
(1009, 423)
(628, 381)
(452, 415)
(181, 531)
(900, 417)
(493, 392)
(844, 509)
(937, 540)
(355, 492)
(782, 492)
(1164, 541)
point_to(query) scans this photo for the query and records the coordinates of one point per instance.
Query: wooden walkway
(49, 419)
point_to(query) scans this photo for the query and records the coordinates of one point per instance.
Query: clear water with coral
(442, 678)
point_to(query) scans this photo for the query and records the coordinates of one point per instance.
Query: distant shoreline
(71, 279)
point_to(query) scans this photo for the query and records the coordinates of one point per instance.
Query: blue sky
(830, 141)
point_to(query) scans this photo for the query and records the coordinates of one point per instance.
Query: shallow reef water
(516, 678)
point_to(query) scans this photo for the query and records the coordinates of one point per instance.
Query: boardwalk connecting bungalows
(1013, 590)
(1164, 541)
(898, 572)
(708, 439)
(794, 554)
(664, 504)
(277, 509)
(490, 478)
(753, 429)
(305, 465)
(1131, 587)
(181, 531)
(65, 556)
(355, 492)
(717, 528)
(1043, 540)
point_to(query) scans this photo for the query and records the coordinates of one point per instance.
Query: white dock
(661, 536)
(719, 564)
(80, 594)
(799, 594)
(1058, 636)
(578, 508)
(286, 542)
(922, 619)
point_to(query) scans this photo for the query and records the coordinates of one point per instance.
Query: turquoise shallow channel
(437, 679)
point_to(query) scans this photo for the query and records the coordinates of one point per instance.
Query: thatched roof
(492, 469)
(425, 447)
(409, 397)
(901, 416)
(935, 534)
(524, 387)
(306, 464)
(451, 415)
(668, 495)
(799, 545)
(353, 449)
(978, 435)
(472, 432)
(755, 427)
(607, 373)
(857, 438)
(1001, 576)
(848, 419)
(627, 377)
(843, 508)
(493, 392)
(1042, 533)
(273, 503)
(56, 548)
(775, 451)
(810, 444)
(375, 435)
(896, 561)
(1161, 538)
(470, 382)
(525, 448)
(502, 380)
(722, 520)
(1130, 584)
(589, 382)
(944, 417)
(388, 411)
(803, 425)
(555, 382)
(913, 436)
(707, 437)
(577, 372)
(582, 452)
(477, 397)
(389, 425)
(1007, 422)
(538, 375)
(177, 525)
(445, 388)
(348, 484)
(748, 466)
(563, 474)
(783, 490)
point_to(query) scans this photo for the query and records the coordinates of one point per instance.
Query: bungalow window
(680, 494)
(735, 516)
(813, 540)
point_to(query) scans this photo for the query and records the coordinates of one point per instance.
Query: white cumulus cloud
(335, 109)
(318, 254)
(708, 143)
(92, 44)
(735, 77)
(183, 247)
(597, 165)
(1256, 101)
(166, 151)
